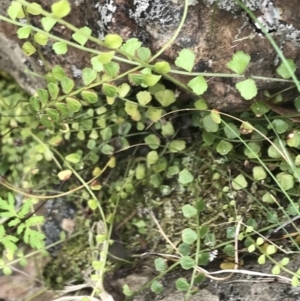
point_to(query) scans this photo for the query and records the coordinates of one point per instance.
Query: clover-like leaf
(113, 41)
(82, 35)
(88, 75)
(247, 88)
(60, 48)
(61, 8)
(185, 177)
(185, 60)
(166, 97)
(28, 48)
(198, 85)
(239, 62)
(286, 71)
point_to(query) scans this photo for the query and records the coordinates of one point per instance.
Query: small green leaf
(229, 250)
(251, 248)
(34, 103)
(239, 62)
(143, 97)
(187, 262)
(24, 32)
(252, 150)
(189, 236)
(151, 79)
(152, 157)
(209, 124)
(200, 205)
(104, 57)
(276, 270)
(185, 177)
(89, 96)
(203, 231)
(166, 97)
(113, 41)
(88, 75)
(154, 114)
(247, 88)
(215, 116)
(73, 104)
(182, 285)
(284, 72)
(285, 180)
(156, 287)
(259, 108)
(131, 46)
(268, 198)
(280, 126)
(93, 204)
(224, 147)
(53, 90)
(28, 48)
(67, 85)
(295, 281)
(230, 232)
(184, 249)
(152, 141)
(239, 182)
(123, 90)
(48, 23)
(136, 79)
(46, 121)
(126, 290)
(185, 60)
(259, 173)
(73, 158)
(144, 53)
(41, 38)
(131, 108)
(231, 131)
(54, 115)
(60, 48)
(58, 72)
(107, 149)
(14, 10)
(64, 175)
(34, 9)
(61, 8)
(96, 64)
(189, 211)
(160, 265)
(172, 171)
(112, 69)
(201, 104)
(176, 146)
(43, 95)
(140, 172)
(162, 67)
(260, 241)
(82, 35)
(261, 259)
(198, 85)
(285, 261)
(167, 130)
(62, 108)
(7, 270)
(109, 90)
(293, 139)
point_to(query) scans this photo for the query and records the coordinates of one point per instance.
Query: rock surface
(213, 30)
